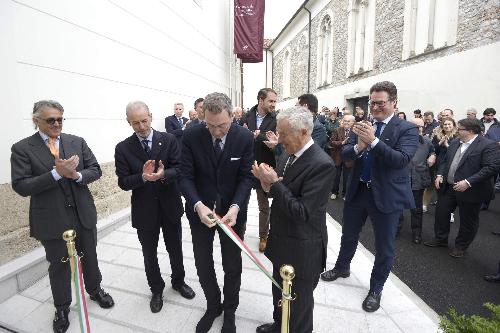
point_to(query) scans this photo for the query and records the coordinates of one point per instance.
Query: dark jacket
(319, 133)
(217, 183)
(150, 199)
(478, 165)
(429, 128)
(31, 166)
(420, 173)
(298, 234)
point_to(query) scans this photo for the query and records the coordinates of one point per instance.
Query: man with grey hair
(342, 168)
(176, 123)
(54, 170)
(471, 113)
(216, 180)
(147, 163)
(300, 188)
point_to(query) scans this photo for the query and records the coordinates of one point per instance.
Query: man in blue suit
(379, 187)
(176, 123)
(216, 178)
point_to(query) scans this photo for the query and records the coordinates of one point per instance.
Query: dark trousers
(60, 272)
(203, 238)
(263, 202)
(417, 212)
(301, 309)
(172, 236)
(384, 227)
(469, 218)
(340, 170)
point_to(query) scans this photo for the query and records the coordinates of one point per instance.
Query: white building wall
(95, 56)
(459, 81)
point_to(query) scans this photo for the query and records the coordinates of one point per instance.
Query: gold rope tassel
(287, 274)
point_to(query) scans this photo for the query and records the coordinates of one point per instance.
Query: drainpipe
(309, 52)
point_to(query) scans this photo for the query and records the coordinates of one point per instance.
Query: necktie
(368, 158)
(217, 148)
(289, 162)
(52, 147)
(146, 146)
(180, 121)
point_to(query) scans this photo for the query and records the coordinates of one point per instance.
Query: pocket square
(235, 158)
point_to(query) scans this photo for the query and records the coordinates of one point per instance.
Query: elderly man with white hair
(300, 187)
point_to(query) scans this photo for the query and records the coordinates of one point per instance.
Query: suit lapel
(252, 120)
(452, 150)
(43, 152)
(207, 144)
(136, 148)
(228, 144)
(294, 170)
(471, 147)
(389, 129)
(66, 149)
(157, 145)
(265, 122)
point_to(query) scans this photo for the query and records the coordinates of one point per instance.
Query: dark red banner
(249, 29)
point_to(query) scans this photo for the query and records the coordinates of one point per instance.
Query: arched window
(325, 52)
(429, 25)
(286, 74)
(361, 36)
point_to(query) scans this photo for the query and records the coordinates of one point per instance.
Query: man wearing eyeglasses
(464, 179)
(216, 180)
(54, 169)
(379, 187)
(147, 163)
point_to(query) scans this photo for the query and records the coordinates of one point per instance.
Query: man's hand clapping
(148, 172)
(67, 167)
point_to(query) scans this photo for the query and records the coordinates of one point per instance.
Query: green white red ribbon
(80, 296)
(237, 240)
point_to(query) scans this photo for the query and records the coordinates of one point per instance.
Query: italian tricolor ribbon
(241, 244)
(80, 296)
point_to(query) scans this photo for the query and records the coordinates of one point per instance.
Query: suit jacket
(172, 126)
(31, 166)
(261, 151)
(150, 199)
(479, 164)
(221, 183)
(390, 179)
(338, 136)
(193, 122)
(319, 133)
(298, 234)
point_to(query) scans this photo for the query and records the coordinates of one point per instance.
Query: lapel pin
(159, 143)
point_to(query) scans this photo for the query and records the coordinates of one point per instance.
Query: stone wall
(14, 229)
(478, 25)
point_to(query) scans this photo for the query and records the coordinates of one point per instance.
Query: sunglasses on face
(52, 121)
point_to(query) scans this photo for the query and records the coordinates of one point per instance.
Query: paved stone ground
(337, 304)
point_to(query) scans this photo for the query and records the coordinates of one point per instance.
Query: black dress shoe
(102, 298)
(268, 328)
(229, 325)
(156, 302)
(207, 320)
(436, 243)
(61, 321)
(457, 253)
(496, 233)
(333, 275)
(417, 239)
(493, 278)
(185, 291)
(372, 301)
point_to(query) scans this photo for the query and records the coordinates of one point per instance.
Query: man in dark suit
(148, 163)
(176, 123)
(300, 189)
(379, 187)
(216, 178)
(197, 114)
(260, 119)
(54, 169)
(310, 102)
(464, 179)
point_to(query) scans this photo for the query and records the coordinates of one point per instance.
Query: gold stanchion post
(287, 274)
(69, 236)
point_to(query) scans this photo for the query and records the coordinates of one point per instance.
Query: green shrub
(455, 323)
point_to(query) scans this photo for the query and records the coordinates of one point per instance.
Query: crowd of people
(379, 162)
